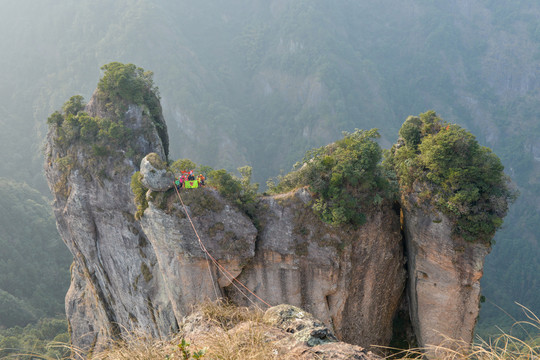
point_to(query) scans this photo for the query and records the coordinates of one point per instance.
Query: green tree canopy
(345, 178)
(462, 178)
(34, 262)
(124, 84)
(126, 81)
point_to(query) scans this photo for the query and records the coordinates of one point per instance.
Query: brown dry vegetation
(227, 332)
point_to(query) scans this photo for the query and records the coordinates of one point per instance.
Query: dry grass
(504, 346)
(240, 333)
(141, 347)
(227, 315)
(248, 342)
(251, 342)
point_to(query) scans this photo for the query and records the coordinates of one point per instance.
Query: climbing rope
(224, 271)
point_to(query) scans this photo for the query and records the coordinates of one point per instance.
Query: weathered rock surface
(304, 327)
(189, 277)
(444, 276)
(115, 285)
(155, 175)
(288, 333)
(351, 279)
(146, 274)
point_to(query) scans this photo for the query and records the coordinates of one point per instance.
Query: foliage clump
(345, 178)
(139, 191)
(48, 338)
(239, 190)
(73, 125)
(127, 82)
(124, 84)
(445, 163)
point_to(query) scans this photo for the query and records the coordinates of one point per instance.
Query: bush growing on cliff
(73, 124)
(239, 190)
(120, 86)
(345, 178)
(463, 179)
(139, 191)
(126, 83)
(74, 105)
(182, 165)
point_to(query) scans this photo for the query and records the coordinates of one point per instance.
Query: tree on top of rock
(126, 81)
(448, 167)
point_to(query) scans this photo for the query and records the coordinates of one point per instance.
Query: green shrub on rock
(345, 178)
(463, 179)
(411, 131)
(139, 191)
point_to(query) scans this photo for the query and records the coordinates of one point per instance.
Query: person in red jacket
(201, 179)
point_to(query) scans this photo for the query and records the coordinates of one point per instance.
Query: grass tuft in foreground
(504, 346)
(226, 332)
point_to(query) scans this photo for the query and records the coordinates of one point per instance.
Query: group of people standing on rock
(188, 181)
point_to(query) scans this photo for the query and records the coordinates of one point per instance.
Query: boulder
(302, 325)
(155, 175)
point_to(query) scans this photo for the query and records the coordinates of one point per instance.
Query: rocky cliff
(142, 267)
(113, 288)
(147, 274)
(351, 279)
(444, 276)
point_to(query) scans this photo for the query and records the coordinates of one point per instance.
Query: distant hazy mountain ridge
(261, 82)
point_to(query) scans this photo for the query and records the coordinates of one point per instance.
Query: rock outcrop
(155, 175)
(114, 283)
(351, 279)
(444, 276)
(282, 332)
(146, 273)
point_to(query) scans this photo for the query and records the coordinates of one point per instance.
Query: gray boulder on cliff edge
(155, 175)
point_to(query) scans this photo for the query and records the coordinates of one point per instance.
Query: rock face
(147, 274)
(115, 285)
(186, 271)
(351, 279)
(444, 276)
(154, 173)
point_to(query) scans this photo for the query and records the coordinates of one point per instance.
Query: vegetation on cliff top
(124, 84)
(73, 124)
(345, 178)
(445, 164)
(238, 190)
(120, 86)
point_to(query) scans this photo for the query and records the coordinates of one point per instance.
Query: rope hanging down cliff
(224, 271)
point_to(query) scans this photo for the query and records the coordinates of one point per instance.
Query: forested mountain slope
(34, 263)
(259, 82)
